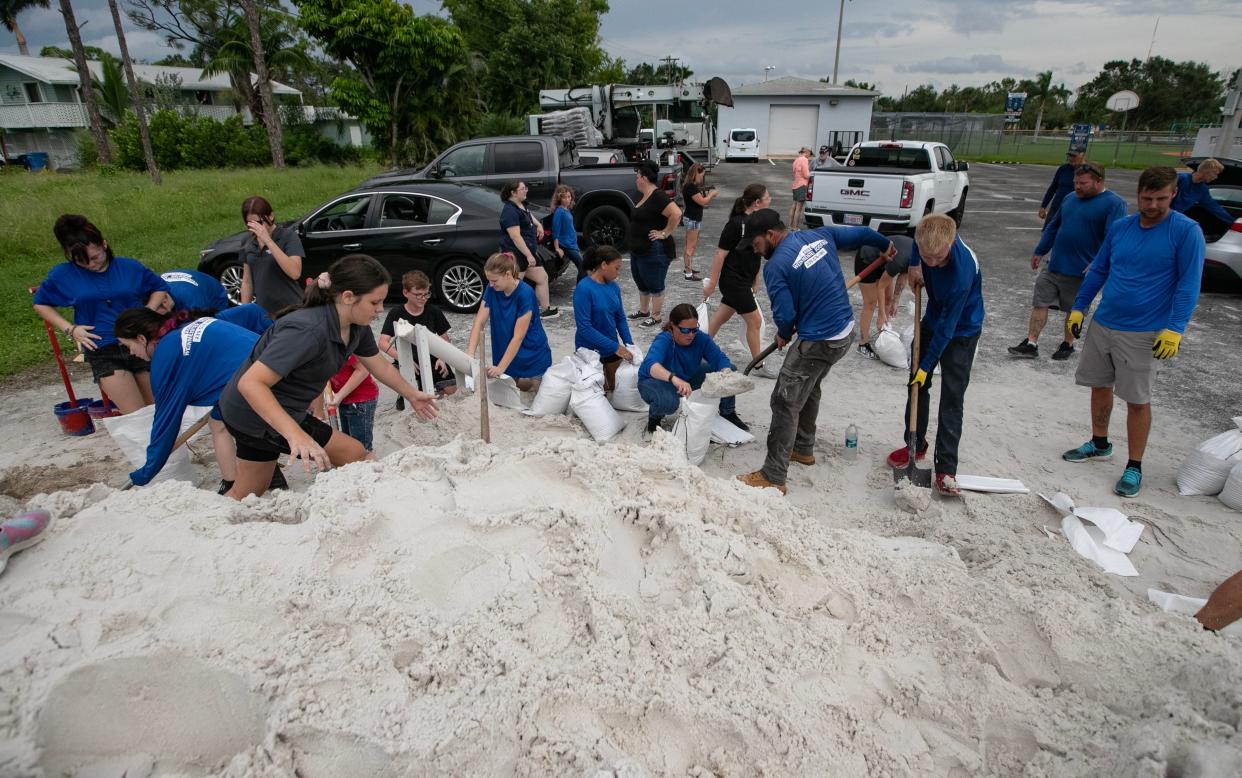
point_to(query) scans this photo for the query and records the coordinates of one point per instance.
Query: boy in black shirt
(417, 310)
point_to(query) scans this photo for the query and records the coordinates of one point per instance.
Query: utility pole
(135, 95)
(668, 66)
(84, 82)
(766, 68)
(836, 62)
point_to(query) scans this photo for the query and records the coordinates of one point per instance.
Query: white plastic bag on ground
(888, 347)
(132, 433)
(1231, 493)
(1205, 469)
(694, 425)
(590, 405)
(724, 431)
(625, 396)
(555, 389)
(503, 392)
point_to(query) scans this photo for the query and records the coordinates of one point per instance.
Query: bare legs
(128, 391)
(540, 277)
(1138, 420)
(254, 477)
(692, 243)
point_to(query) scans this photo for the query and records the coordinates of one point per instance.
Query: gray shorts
(799, 195)
(1119, 359)
(1053, 290)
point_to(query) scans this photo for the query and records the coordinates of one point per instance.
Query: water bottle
(851, 442)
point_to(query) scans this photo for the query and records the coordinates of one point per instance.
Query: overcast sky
(893, 43)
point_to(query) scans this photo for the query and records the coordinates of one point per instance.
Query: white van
(742, 144)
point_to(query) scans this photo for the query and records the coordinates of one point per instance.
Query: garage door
(790, 127)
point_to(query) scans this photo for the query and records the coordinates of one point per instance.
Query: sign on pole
(1014, 103)
(1080, 135)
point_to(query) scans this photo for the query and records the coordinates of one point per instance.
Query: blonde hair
(558, 193)
(500, 263)
(935, 233)
(1210, 164)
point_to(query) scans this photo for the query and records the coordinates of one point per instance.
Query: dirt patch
(23, 482)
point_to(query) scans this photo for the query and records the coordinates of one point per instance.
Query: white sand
(550, 606)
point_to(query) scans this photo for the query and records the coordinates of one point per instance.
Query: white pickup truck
(889, 186)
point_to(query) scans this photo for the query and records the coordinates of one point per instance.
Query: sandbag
(1205, 469)
(625, 396)
(907, 337)
(1231, 492)
(694, 425)
(555, 389)
(589, 404)
(888, 347)
(132, 433)
(503, 392)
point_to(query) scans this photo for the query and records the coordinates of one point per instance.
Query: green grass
(164, 227)
(1051, 151)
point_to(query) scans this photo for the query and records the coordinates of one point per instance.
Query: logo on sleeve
(193, 333)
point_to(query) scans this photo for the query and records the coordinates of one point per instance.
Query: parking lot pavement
(1002, 226)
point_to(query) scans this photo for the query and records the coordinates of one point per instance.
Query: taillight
(810, 189)
(907, 194)
(669, 184)
(1236, 226)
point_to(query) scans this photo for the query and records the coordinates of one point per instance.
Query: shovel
(916, 475)
(850, 284)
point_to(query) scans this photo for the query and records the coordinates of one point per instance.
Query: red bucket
(75, 419)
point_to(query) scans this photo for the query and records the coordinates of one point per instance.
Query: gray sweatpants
(795, 401)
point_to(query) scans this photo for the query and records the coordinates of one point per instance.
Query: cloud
(976, 63)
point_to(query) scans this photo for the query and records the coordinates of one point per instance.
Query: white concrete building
(791, 112)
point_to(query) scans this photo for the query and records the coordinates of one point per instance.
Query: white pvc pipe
(429, 345)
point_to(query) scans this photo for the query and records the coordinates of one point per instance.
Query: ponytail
(752, 194)
(357, 273)
(598, 255)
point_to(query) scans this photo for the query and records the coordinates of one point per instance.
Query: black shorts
(269, 447)
(861, 260)
(523, 263)
(106, 360)
(739, 297)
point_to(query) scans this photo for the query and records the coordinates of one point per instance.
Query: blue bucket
(75, 419)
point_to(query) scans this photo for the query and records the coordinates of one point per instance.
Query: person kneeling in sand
(519, 345)
(676, 364)
(266, 404)
(598, 313)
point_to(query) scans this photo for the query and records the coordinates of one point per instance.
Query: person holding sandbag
(599, 313)
(519, 345)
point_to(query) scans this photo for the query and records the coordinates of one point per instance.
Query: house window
(202, 97)
(32, 92)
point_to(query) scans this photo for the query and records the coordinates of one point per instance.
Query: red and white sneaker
(947, 485)
(900, 457)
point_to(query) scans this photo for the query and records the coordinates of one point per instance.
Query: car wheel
(606, 226)
(229, 271)
(459, 285)
(959, 212)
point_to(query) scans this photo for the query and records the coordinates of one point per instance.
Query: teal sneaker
(1129, 483)
(1088, 451)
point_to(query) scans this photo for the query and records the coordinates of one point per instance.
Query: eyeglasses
(421, 295)
(687, 330)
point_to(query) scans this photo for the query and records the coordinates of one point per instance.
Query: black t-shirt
(647, 217)
(741, 265)
(431, 318)
(693, 210)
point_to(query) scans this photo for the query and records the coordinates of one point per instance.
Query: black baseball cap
(759, 222)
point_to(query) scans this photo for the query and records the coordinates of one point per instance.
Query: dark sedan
(445, 229)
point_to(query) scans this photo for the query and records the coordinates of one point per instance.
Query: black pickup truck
(604, 195)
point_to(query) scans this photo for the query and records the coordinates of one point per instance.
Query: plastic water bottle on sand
(851, 443)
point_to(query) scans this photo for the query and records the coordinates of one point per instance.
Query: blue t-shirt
(599, 317)
(1061, 187)
(513, 216)
(684, 361)
(192, 289)
(1074, 233)
(97, 298)
(250, 316)
(563, 231)
(1190, 194)
(805, 284)
(954, 299)
(534, 356)
(1150, 275)
(190, 366)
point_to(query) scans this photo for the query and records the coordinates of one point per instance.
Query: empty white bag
(888, 347)
(694, 425)
(590, 405)
(132, 433)
(1205, 469)
(555, 389)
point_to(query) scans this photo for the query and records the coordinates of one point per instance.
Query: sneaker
(278, 480)
(1129, 483)
(757, 480)
(901, 457)
(764, 371)
(733, 419)
(1063, 351)
(1088, 451)
(693, 275)
(946, 485)
(636, 315)
(650, 321)
(802, 459)
(866, 350)
(399, 404)
(1025, 350)
(225, 485)
(549, 313)
(22, 532)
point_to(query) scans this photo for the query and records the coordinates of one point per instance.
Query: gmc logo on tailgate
(855, 193)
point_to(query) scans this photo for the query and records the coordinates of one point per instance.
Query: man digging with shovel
(947, 336)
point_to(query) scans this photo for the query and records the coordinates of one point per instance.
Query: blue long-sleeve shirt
(1074, 233)
(191, 289)
(1062, 185)
(1190, 194)
(954, 299)
(97, 298)
(250, 316)
(599, 317)
(190, 366)
(1150, 276)
(805, 285)
(563, 231)
(684, 361)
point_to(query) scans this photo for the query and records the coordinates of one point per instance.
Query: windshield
(743, 136)
(892, 155)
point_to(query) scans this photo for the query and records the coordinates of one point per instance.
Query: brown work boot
(757, 480)
(802, 459)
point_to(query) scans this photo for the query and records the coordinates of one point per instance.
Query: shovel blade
(917, 476)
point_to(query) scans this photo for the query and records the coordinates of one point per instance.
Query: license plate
(853, 218)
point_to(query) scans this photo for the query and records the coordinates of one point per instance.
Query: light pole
(836, 62)
(766, 68)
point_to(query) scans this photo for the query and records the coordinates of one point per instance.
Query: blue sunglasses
(687, 330)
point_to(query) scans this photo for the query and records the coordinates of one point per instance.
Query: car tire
(459, 285)
(959, 212)
(606, 225)
(228, 271)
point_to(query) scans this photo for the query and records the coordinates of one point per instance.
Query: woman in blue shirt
(519, 345)
(520, 234)
(599, 314)
(678, 361)
(564, 235)
(98, 286)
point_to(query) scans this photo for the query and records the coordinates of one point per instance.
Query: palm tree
(235, 59)
(111, 89)
(9, 9)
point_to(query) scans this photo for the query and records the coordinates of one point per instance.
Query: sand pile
(566, 608)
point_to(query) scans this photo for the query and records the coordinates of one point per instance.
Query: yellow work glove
(920, 378)
(1073, 322)
(1166, 344)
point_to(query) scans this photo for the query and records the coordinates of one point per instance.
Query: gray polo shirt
(305, 349)
(273, 288)
(899, 263)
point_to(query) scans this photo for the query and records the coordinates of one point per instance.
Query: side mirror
(962, 167)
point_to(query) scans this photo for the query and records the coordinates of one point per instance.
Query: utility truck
(889, 186)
